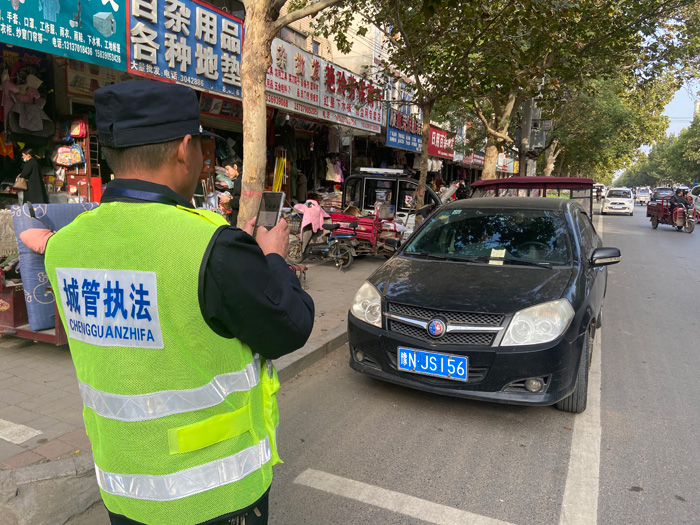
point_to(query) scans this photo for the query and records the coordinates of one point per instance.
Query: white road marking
(16, 433)
(580, 503)
(390, 500)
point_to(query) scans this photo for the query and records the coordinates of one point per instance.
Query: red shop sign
(439, 144)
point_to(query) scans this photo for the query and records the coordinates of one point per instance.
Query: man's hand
(275, 240)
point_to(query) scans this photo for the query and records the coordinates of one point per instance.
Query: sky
(680, 111)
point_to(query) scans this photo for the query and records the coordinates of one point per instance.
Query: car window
(643, 192)
(695, 191)
(589, 238)
(620, 194)
(535, 235)
(377, 190)
(353, 187)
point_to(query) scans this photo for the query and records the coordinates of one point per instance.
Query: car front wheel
(576, 401)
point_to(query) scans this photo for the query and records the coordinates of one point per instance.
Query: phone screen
(270, 209)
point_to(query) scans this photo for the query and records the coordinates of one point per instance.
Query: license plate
(449, 366)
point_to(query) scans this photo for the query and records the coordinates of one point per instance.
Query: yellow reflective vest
(181, 421)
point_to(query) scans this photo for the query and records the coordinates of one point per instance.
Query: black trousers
(256, 514)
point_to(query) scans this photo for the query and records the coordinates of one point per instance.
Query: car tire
(599, 319)
(577, 400)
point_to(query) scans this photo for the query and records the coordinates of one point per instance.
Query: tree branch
(309, 10)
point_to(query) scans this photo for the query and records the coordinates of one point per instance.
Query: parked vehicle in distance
(495, 299)
(695, 194)
(643, 196)
(661, 192)
(618, 200)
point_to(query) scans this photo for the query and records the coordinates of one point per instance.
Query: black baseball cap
(141, 112)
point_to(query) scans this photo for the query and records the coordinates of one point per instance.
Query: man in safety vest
(173, 317)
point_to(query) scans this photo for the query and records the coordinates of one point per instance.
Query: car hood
(458, 286)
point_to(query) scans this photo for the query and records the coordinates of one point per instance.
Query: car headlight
(367, 305)
(541, 323)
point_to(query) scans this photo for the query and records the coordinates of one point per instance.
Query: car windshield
(642, 192)
(517, 236)
(620, 194)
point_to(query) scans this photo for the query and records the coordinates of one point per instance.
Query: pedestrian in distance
(31, 172)
(173, 317)
(233, 172)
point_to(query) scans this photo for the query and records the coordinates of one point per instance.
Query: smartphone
(270, 210)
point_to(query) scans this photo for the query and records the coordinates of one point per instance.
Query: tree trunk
(490, 159)
(550, 158)
(425, 135)
(255, 60)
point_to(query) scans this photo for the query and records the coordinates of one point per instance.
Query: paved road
(362, 451)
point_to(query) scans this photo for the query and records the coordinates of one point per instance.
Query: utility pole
(525, 131)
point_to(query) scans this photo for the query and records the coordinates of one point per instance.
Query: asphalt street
(361, 451)
(358, 450)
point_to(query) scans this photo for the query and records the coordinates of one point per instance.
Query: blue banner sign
(93, 32)
(185, 41)
(403, 131)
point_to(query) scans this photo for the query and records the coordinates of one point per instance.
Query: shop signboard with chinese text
(185, 41)
(403, 131)
(83, 79)
(349, 99)
(440, 145)
(93, 32)
(298, 81)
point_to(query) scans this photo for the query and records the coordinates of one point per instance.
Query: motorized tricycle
(682, 218)
(319, 237)
(375, 234)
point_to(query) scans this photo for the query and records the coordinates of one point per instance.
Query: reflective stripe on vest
(186, 482)
(168, 402)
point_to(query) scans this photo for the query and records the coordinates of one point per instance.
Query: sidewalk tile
(18, 415)
(22, 460)
(78, 438)
(42, 422)
(47, 404)
(8, 450)
(54, 449)
(13, 397)
(31, 387)
(52, 432)
(73, 415)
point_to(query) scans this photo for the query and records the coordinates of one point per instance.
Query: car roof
(511, 203)
(619, 188)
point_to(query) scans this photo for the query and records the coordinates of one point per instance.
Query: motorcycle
(325, 243)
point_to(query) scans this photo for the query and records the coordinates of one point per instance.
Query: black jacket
(36, 193)
(242, 292)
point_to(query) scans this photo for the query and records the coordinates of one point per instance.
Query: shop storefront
(52, 56)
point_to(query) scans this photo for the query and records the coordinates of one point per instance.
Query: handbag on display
(20, 184)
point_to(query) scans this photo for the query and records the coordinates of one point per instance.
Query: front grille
(427, 314)
(464, 338)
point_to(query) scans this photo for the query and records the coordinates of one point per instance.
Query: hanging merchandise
(280, 165)
(69, 155)
(78, 129)
(330, 170)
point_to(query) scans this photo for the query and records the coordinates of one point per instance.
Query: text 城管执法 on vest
(181, 420)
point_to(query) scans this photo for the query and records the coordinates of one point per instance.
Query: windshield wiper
(523, 262)
(430, 255)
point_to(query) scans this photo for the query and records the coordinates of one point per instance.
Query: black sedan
(660, 193)
(494, 299)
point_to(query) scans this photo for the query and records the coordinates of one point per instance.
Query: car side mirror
(605, 256)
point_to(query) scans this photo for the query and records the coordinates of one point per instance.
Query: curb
(53, 492)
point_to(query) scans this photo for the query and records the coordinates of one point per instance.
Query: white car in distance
(618, 200)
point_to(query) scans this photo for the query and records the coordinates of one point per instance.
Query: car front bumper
(491, 369)
(618, 208)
